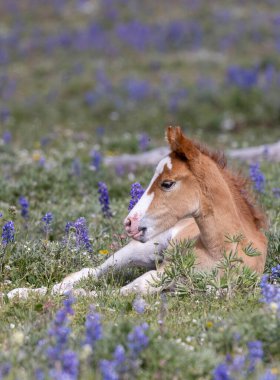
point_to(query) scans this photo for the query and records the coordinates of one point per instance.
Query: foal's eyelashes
(167, 185)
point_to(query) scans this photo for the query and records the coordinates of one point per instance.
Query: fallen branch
(132, 161)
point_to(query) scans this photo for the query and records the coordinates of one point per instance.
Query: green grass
(191, 332)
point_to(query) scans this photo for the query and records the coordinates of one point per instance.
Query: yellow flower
(273, 306)
(36, 156)
(209, 324)
(275, 371)
(104, 251)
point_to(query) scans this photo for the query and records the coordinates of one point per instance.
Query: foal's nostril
(127, 223)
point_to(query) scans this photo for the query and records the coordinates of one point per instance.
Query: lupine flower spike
(8, 233)
(257, 177)
(136, 193)
(104, 199)
(24, 207)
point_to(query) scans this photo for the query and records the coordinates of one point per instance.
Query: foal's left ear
(181, 144)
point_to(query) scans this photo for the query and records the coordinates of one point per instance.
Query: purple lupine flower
(270, 292)
(137, 340)
(136, 89)
(93, 327)
(82, 237)
(47, 220)
(275, 272)
(268, 375)
(5, 369)
(123, 363)
(143, 141)
(81, 233)
(108, 370)
(139, 305)
(69, 367)
(76, 167)
(8, 233)
(24, 207)
(257, 177)
(58, 351)
(276, 192)
(136, 193)
(104, 199)
(221, 372)
(7, 137)
(39, 374)
(245, 78)
(111, 369)
(96, 159)
(255, 354)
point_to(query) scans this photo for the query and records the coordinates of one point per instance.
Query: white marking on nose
(144, 203)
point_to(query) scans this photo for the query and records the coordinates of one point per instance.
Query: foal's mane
(240, 187)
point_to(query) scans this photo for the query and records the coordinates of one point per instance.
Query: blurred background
(116, 72)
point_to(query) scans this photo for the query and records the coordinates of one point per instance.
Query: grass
(63, 102)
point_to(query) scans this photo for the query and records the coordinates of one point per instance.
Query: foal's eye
(167, 185)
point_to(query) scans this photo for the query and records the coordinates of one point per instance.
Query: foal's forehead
(161, 165)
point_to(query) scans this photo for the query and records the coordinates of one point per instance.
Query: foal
(192, 195)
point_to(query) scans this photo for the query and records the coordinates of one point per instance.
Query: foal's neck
(218, 215)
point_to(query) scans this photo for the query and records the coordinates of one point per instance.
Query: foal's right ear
(180, 144)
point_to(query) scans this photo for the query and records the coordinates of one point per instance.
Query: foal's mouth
(139, 235)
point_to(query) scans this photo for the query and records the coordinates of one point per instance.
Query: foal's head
(174, 191)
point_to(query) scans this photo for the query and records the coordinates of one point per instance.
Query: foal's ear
(181, 144)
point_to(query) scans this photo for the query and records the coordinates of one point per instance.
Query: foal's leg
(145, 284)
(134, 254)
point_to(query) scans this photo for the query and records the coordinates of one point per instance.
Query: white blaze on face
(143, 204)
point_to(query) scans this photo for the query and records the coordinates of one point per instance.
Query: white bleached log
(152, 157)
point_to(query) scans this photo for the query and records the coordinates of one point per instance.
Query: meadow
(81, 80)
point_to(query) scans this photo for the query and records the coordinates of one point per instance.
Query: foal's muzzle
(134, 229)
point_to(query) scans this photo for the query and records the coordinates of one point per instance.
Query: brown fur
(240, 186)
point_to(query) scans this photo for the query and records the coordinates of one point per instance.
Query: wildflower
(8, 233)
(138, 340)
(24, 207)
(111, 370)
(139, 305)
(76, 167)
(81, 233)
(275, 272)
(209, 324)
(255, 354)
(5, 369)
(143, 141)
(96, 159)
(126, 363)
(93, 327)
(245, 78)
(104, 199)
(47, 220)
(276, 192)
(136, 193)
(7, 137)
(103, 251)
(268, 375)
(82, 238)
(36, 156)
(58, 352)
(257, 177)
(271, 292)
(221, 372)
